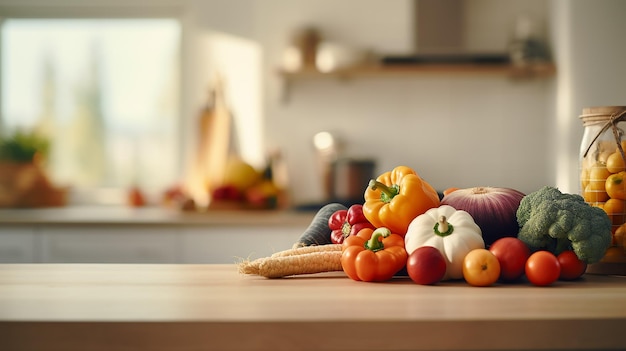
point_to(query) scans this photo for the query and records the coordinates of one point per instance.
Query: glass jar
(603, 168)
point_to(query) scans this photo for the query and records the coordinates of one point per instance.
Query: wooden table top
(212, 307)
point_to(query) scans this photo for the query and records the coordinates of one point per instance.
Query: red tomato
(571, 266)
(481, 267)
(512, 254)
(426, 265)
(542, 268)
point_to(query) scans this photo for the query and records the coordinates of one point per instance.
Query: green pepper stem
(374, 243)
(442, 227)
(388, 192)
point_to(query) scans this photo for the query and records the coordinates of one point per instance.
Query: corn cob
(308, 249)
(318, 260)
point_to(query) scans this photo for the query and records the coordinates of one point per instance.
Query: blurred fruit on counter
(226, 197)
(136, 197)
(264, 194)
(244, 187)
(227, 192)
(176, 197)
(241, 187)
(239, 174)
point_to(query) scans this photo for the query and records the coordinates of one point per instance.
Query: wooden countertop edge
(529, 334)
(200, 307)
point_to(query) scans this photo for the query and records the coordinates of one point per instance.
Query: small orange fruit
(598, 175)
(615, 208)
(591, 195)
(615, 162)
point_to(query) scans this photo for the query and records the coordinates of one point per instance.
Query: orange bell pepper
(396, 197)
(373, 255)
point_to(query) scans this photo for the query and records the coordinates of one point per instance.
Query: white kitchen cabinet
(18, 244)
(150, 235)
(171, 244)
(110, 244)
(229, 244)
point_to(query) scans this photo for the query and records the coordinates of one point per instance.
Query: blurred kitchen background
(118, 88)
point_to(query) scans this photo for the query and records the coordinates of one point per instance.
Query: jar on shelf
(603, 169)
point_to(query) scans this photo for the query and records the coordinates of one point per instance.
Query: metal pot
(349, 179)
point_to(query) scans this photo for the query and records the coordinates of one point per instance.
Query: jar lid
(600, 113)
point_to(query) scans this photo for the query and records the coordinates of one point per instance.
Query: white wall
(590, 57)
(454, 130)
(497, 131)
(490, 24)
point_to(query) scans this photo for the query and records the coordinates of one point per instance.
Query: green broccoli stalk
(554, 221)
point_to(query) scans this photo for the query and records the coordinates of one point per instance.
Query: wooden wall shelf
(380, 70)
(374, 70)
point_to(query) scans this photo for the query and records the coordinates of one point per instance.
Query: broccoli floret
(554, 221)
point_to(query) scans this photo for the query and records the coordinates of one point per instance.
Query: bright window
(106, 94)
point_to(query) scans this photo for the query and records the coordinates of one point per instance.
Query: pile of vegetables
(483, 235)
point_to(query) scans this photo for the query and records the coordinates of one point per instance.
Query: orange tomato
(597, 176)
(615, 209)
(615, 162)
(616, 185)
(481, 267)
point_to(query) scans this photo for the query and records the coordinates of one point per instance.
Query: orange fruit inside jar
(619, 236)
(615, 209)
(603, 166)
(597, 176)
(594, 196)
(594, 189)
(615, 162)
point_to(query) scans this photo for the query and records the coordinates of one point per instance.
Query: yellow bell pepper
(396, 197)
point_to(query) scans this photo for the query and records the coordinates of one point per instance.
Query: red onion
(493, 209)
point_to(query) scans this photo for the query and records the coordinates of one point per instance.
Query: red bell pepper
(344, 223)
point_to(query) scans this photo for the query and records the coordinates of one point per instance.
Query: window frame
(98, 9)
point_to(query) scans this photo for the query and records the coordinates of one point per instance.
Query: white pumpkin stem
(443, 224)
(442, 227)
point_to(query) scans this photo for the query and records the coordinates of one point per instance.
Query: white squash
(453, 232)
